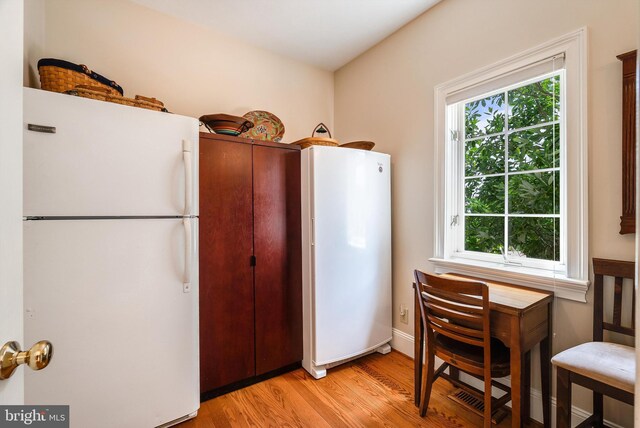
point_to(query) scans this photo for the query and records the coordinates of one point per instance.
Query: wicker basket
(61, 76)
(360, 145)
(104, 94)
(315, 141)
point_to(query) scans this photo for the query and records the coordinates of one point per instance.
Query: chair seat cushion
(474, 355)
(609, 363)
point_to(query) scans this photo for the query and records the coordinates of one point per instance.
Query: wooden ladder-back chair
(455, 318)
(605, 368)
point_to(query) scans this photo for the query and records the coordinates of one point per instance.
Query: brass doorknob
(37, 358)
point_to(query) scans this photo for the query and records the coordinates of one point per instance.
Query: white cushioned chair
(604, 367)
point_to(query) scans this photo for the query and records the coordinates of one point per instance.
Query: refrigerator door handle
(187, 156)
(188, 254)
(313, 231)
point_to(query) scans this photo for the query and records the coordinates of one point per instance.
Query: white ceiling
(324, 33)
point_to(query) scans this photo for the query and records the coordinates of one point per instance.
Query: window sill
(559, 284)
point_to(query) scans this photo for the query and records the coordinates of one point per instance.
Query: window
(511, 170)
(510, 181)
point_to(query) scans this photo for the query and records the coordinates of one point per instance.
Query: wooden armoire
(250, 261)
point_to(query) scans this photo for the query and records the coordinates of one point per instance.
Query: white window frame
(456, 112)
(569, 281)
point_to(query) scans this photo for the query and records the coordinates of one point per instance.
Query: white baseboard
(403, 342)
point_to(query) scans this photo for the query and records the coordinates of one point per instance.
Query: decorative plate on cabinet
(267, 126)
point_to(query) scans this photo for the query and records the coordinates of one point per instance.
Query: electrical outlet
(404, 314)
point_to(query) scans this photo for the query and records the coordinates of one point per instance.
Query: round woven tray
(316, 141)
(362, 145)
(104, 94)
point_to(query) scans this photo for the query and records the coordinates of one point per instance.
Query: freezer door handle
(188, 254)
(313, 231)
(187, 156)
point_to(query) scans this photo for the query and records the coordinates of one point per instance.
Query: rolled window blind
(530, 71)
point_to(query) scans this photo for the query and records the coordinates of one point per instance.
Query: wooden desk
(520, 318)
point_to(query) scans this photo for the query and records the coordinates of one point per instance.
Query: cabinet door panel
(278, 248)
(226, 277)
(628, 217)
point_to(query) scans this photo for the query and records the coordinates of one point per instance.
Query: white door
(11, 18)
(352, 234)
(105, 159)
(109, 295)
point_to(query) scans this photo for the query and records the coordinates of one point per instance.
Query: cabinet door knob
(37, 358)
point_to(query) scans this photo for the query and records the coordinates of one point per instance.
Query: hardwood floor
(373, 391)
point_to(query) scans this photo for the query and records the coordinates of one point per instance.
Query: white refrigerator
(110, 260)
(346, 239)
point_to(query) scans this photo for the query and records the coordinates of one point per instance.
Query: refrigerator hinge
(252, 261)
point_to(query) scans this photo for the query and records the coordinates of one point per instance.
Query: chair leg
(454, 372)
(427, 382)
(487, 402)
(598, 413)
(418, 353)
(563, 405)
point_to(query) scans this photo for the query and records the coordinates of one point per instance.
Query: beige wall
(386, 95)
(192, 69)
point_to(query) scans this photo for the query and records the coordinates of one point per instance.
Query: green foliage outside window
(512, 171)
